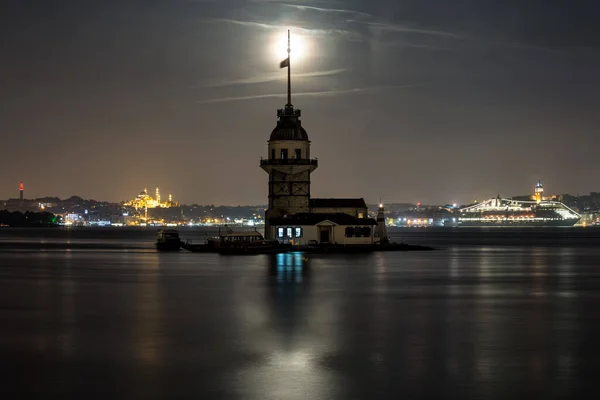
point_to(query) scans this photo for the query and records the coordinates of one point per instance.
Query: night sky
(411, 100)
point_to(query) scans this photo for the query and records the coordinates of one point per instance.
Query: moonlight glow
(299, 46)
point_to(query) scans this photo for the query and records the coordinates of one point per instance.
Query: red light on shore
(21, 187)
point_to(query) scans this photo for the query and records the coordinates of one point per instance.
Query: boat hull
(168, 246)
(250, 250)
(360, 248)
(313, 249)
(518, 224)
(199, 248)
(242, 250)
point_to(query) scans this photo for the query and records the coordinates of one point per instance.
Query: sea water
(493, 313)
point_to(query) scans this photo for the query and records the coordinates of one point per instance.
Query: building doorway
(324, 236)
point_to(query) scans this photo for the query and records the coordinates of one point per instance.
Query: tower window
(284, 154)
(272, 154)
(298, 154)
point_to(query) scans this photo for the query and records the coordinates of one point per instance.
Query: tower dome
(289, 126)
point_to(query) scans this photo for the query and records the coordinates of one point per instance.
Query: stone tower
(539, 191)
(288, 164)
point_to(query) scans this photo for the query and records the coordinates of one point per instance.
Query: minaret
(288, 164)
(157, 197)
(381, 229)
(21, 190)
(539, 191)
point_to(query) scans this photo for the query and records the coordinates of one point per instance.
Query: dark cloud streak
(333, 92)
(273, 78)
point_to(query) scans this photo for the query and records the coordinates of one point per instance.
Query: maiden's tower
(292, 214)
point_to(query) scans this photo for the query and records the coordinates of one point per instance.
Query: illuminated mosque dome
(144, 200)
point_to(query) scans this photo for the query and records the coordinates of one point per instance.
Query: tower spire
(289, 50)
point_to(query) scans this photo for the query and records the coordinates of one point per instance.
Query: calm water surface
(492, 314)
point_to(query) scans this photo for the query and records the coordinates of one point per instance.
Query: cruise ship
(518, 213)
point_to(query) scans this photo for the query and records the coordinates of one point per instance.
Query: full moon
(299, 46)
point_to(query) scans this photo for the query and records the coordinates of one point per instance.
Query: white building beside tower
(292, 214)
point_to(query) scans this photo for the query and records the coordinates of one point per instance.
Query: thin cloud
(307, 94)
(327, 10)
(416, 46)
(409, 29)
(250, 24)
(402, 28)
(274, 78)
(307, 31)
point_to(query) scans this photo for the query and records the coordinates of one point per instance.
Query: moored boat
(252, 242)
(209, 246)
(245, 242)
(168, 240)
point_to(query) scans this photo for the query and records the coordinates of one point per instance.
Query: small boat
(168, 240)
(243, 243)
(249, 243)
(210, 246)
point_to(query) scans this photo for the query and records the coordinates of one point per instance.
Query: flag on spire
(285, 63)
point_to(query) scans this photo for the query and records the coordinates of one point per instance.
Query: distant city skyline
(410, 101)
(229, 204)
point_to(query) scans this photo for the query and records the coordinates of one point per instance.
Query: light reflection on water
(489, 321)
(149, 312)
(285, 361)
